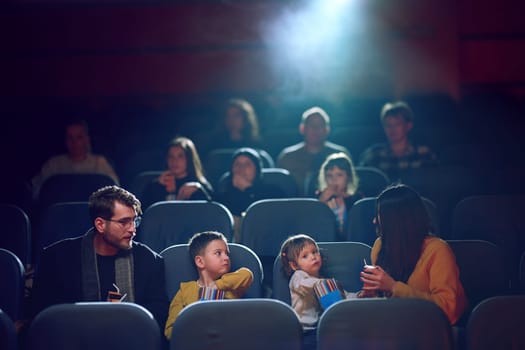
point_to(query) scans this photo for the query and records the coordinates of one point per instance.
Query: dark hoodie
(238, 201)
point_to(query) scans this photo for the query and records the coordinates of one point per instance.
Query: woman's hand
(374, 278)
(167, 179)
(187, 190)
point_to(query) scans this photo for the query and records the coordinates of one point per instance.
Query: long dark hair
(193, 161)
(403, 224)
(250, 130)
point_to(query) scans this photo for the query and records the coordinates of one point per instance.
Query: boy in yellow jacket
(211, 256)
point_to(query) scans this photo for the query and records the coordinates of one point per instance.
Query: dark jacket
(238, 201)
(58, 278)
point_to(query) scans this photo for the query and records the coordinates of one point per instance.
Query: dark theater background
(143, 71)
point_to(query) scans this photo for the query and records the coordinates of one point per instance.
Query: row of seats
(271, 324)
(268, 222)
(474, 157)
(481, 265)
(445, 186)
(78, 187)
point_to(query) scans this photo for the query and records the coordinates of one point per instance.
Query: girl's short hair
(343, 162)
(291, 248)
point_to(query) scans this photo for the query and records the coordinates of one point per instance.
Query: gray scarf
(90, 277)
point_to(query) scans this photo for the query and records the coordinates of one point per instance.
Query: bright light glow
(320, 47)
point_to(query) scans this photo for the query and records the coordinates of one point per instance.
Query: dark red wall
(95, 49)
(145, 71)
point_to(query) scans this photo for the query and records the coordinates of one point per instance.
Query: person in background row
(237, 127)
(407, 260)
(78, 158)
(244, 185)
(183, 180)
(399, 154)
(304, 159)
(105, 264)
(338, 188)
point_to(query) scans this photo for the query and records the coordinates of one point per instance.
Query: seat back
(96, 325)
(445, 186)
(11, 285)
(394, 323)
(360, 220)
(497, 323)
(371, 180)
(141, 181)
(282, 179)
(238, 324)
(16, 235)
(268, 222)
(481, 270)
(497, 219)
(141, 160)
(8, 337)
(218, 161)
(71, 188)
(62, 220)
(522, 273)
(341, 260)
(174, 222)
(278, 177)
(179, 267)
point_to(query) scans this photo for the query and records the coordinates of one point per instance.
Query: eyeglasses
(126, 222)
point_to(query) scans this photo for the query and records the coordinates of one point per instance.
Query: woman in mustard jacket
(407, 260)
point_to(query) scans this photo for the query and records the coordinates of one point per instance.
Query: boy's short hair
(398, 108)
(200, 241)
(315, 111)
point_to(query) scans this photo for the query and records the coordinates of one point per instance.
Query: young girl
(302, 262)
(338, 187)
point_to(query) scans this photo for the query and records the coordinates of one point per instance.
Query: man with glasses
(105, 264)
